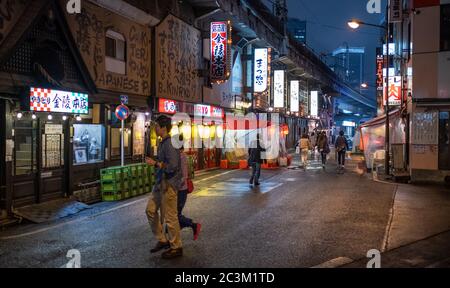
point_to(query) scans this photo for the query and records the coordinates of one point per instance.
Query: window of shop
(444, 139)
(115, 142)
(115, 52)
(88, 144)
(25, 142)
(445, 27)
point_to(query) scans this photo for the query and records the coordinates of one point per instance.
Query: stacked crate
(120, 183)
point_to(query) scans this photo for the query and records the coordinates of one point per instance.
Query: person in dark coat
(255, 160)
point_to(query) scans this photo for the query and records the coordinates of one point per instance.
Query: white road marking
(215, 176)
(333, 263)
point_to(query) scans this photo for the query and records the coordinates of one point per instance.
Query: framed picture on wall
(80, 156)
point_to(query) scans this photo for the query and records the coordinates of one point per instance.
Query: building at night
(297, 28)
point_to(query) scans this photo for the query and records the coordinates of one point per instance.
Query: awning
(380, 119)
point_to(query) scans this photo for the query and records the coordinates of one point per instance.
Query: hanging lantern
(186, 130)
(219, 131)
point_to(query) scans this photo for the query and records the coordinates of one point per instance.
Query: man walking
(164, 194)
(255, 160)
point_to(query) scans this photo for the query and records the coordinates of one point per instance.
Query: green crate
(111, 196)
(110, 187)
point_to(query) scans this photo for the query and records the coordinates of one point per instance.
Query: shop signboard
(294, 96)
(50, 100)
(314, 103)
(278, 89)
(168, 106)
(260, 67)
(219, 51)
(395, 91)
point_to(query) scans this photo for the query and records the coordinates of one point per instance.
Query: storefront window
(115, 142)
(88, 143)
(444, 139)
(25, 148)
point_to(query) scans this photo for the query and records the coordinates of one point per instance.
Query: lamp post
(355, 24)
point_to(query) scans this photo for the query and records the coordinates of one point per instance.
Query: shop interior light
(64, 117)
(147, 113)
(49, 117)
(206, 132)
(78, 118)
(186, 130)
(19, 115)
(33, 116)
(219, 131)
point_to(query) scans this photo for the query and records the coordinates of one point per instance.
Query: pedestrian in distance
(305, 146)
(184, 221)
(162, 212)
(255, 160)
(313, 140)
(341, 149)
(323, 147)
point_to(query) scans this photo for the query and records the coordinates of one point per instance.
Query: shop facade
(57, 123)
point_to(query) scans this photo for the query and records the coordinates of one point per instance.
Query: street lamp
(364, 85)
(355, 24)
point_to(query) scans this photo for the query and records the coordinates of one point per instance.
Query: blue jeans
(256, 173)
(184, 221)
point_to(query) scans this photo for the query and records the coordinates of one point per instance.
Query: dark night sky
(327, 26)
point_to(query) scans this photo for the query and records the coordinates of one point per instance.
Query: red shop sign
(168, 106)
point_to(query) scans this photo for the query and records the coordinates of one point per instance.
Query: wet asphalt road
(295, 219)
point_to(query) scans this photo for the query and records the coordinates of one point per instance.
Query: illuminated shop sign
(380, 65)
(278, 89)
(260, 65)
(314, 103)
(208, 111)
(395, 91)
(168, 106)
(49, 100)
(219, 51)
(294, 96)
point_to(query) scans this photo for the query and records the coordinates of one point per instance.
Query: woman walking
(341, 149)
(305, 146)
(323, 147)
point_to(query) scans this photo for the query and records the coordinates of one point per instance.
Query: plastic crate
(110, 186)
(111, 196)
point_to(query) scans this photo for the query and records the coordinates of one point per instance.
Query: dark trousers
(324, 157)
(341, 157)
(184, 221)
(256, 173)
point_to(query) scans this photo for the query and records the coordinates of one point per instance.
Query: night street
(225, 138)
(295, 219)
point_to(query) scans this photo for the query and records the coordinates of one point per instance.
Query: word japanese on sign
(278, 89)
(395, 91)
(219, 51)
(260, 78)
(49, 100)
(122, 112)
(168, 106)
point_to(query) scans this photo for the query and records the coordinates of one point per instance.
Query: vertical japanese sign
(314, 103)
(219, 51)
(395, 91)
(294, 96)
(260, 67)
(278, 88)
(395, 13)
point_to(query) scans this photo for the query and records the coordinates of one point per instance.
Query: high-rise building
(297, 28)
(348, 63)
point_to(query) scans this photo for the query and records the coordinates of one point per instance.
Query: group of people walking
(169, 195)
(308, 144)
(170, 192)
